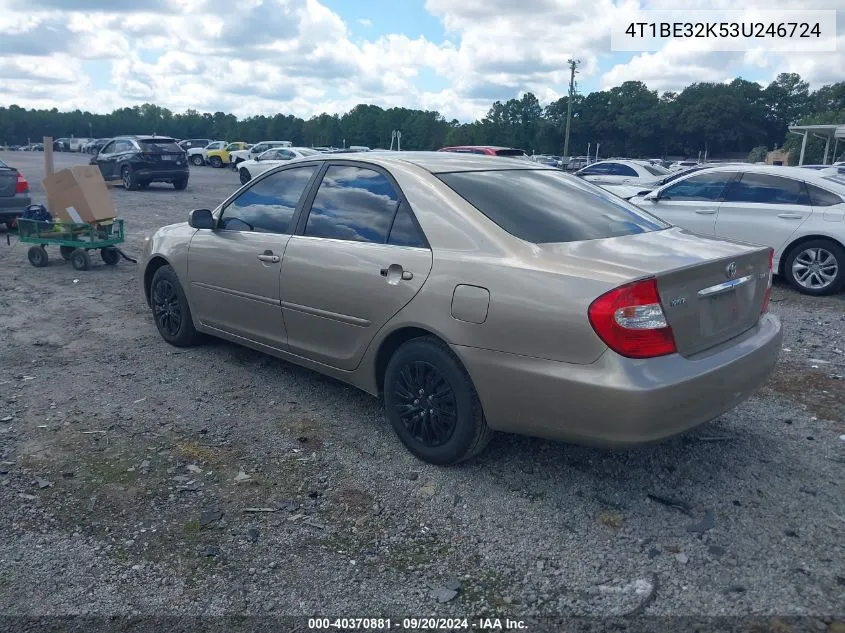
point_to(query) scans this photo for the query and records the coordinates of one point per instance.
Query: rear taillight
(768, 294)
(631, 322)
(22, 185)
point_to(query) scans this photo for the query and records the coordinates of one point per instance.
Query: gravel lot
(121, 460)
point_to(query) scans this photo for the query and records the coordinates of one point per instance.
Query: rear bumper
(11, 208)
(618, 401)
(162, 175)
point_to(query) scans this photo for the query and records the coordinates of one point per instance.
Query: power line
(573, 64)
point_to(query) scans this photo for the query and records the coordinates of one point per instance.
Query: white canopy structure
(827, 132)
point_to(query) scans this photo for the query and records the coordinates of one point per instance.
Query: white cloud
(299, 57)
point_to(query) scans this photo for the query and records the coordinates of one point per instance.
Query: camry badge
(730, 270)
(677, 302)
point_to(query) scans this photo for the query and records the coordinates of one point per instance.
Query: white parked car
(198, 155)
(682, 164)
(800, 213)
(239, 156)
(249, 169)
(619, 172)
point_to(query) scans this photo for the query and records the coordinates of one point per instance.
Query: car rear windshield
(544, 206)
(837, 178)
(159, 146)
(510, 152)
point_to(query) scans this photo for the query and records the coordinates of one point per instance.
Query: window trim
(220, 210)
(315, 186)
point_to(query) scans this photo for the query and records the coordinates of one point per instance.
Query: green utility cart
(74, 241)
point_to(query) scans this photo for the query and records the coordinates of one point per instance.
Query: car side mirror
(652, 196)
(201, 219)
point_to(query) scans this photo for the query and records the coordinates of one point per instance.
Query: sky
(305, 57)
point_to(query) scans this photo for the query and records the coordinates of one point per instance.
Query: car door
(273, 158)
(358, 257)
(233, 269)
(619, 174)
(763, 209)
(105, 160)
(595, 173)
(691, 203)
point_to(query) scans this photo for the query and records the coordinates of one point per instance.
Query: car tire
(37, 256)
(171, 312)
(197, 160)
(425, 372)
(245, 176)
(826, 257)
(215, 161)
(110, 255)
(130, 181)
(180, 184)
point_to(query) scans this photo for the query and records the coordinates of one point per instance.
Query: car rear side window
(405, 231)
(767, 189)
(543, 206)
(705, 187)
(353, 203)
(821, 197)
(269, 204)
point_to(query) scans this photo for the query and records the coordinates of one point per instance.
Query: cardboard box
(79, 194)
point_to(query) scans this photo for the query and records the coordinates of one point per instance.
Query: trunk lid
(8, 182)
(711, 289)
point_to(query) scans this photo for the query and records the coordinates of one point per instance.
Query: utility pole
(573, 64)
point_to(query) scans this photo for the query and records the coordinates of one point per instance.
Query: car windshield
(159, 146)
(510, 152)
(544, 206)
(655, 170)
(2, 164)
(307, 152)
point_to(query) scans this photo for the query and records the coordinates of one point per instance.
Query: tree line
(720, 119)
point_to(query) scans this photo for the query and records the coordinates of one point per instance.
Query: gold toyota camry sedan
(474, 294)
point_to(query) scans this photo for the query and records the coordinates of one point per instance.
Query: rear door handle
(790, 216)
(706, 211)
(267, 256)
(406, 275)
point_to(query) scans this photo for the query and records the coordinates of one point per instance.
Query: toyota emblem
(730, 270)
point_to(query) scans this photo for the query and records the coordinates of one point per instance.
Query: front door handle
(790, 216)
(706, 211)
(267, 256)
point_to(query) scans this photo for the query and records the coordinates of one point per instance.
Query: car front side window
(704, 187)
(353, 203)
(269, 204)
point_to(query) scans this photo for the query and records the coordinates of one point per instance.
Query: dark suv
(14, 194)
(140, 160)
